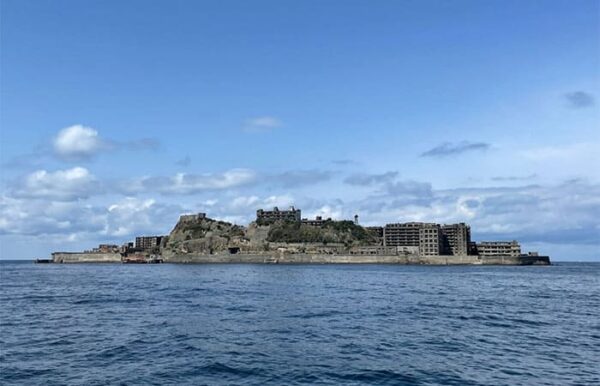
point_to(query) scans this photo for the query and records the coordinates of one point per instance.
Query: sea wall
(70, 257)
(303, 258)
(307, 258)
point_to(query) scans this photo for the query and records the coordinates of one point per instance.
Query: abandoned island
(283, 236)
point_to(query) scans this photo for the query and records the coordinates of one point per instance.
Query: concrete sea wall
(68, 257)
(305, 258)
(302, 258)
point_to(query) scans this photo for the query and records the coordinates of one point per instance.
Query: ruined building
(431, 238)
(147, 242)
(270, 216)
(426, 236)
(317, 221)
(456, 239)
(499, 248)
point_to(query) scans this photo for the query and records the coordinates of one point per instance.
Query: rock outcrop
(203, 235)
(200, 235)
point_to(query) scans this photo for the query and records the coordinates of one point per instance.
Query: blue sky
(117, 116)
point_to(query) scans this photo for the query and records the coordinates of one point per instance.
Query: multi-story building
(426, 236)
(499, 248)
(431, 240)
(402, 234)
(456, 238)
(147, 242)
(269, 216)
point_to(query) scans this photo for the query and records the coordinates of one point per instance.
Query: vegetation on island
(346, 232)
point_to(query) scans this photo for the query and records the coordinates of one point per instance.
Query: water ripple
(298, 325)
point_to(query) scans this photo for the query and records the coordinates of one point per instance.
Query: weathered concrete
(303, 258)
(70, 257)
(307, 258)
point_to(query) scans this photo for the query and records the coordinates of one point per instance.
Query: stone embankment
(302, 258)
(306, 258)
(71, 257)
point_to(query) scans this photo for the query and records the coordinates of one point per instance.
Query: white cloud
(67, 184)
(334, 212)
(120, 220)
(78, 142)
(54, 203)
(131, 216)
(184, 183)
(567, 212)
(261, 124)
(21, 216)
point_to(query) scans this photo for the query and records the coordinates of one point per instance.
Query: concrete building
(472, 248)
(192, 217)
(431, 240)
(499, 248)
(147, 242)
(317, 221)
(426, 236)
(105, 248)
(269, 216)
(456, 239)
(402, 234)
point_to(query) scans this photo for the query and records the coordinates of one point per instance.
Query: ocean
(299, 324)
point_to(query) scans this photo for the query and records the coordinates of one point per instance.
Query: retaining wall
(68, 257)
(303, 258)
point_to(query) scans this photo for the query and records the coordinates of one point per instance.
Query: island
(284, 237)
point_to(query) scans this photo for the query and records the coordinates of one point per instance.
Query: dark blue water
(261, 324)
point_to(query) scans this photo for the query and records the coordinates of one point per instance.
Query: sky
(116, 117)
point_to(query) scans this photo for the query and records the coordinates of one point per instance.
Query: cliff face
(202, 235)
(199, 235)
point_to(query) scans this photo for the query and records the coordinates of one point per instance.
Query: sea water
(299, 325)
